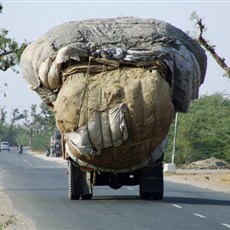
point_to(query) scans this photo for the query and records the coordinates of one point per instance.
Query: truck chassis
(149, 179)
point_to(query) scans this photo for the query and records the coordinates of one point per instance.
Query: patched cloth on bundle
(115, 85)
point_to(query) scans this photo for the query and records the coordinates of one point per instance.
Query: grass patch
(9, 221)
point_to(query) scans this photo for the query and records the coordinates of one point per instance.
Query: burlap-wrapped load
(114, 85)
(117, 118)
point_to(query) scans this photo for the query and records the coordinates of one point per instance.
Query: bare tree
(2, 116)
(15, 116)
(201, 27)
(38, 122)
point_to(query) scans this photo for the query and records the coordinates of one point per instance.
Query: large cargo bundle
(114, 86)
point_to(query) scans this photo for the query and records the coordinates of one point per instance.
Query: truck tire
(152, 183)
(79, 183)
(72, 183)
(87, 196)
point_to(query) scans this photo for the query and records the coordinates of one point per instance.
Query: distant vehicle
(55, 144)
(4, 146)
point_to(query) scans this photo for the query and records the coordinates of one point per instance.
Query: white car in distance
(4, 146)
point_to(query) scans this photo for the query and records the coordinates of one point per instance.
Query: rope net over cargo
(114, 86)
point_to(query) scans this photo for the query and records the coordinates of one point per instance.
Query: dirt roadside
(215, 179)
(10, 219)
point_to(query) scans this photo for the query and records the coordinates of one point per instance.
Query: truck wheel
(87, 196)
(79, 183)
(151, 196)
(72, 183)
(152, 183)
(158, 196)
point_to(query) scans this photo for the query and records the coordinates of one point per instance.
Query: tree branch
(211, 49)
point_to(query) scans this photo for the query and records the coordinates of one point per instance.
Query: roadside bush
(40, 141)
(203, 132)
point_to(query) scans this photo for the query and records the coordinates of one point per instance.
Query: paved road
(38, 188)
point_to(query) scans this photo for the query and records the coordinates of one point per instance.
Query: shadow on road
(200, 201)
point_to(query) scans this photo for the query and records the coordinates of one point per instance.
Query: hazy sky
(28, 20)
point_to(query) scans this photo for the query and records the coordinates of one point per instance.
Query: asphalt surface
(38, 189)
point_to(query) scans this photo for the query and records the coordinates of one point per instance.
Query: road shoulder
(10, 218)
(215, 180)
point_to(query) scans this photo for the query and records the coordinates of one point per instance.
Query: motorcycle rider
(20, 149)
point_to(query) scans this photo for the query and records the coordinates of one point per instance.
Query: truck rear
(114, 86)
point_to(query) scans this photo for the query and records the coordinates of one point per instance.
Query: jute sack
(149, 112)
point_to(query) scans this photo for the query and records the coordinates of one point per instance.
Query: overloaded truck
(114, 86)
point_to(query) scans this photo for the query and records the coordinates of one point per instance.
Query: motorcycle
(19, 150)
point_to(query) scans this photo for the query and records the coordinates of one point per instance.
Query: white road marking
(199, 215)
(177, 206)
(226, 225)
(27, 162)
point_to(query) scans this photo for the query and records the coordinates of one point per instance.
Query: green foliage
(19, 136)
(28, 127)
(40, 141)
(3, 131)
(203, 132)
(46, 118)
(10, 50)
(37, 127)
